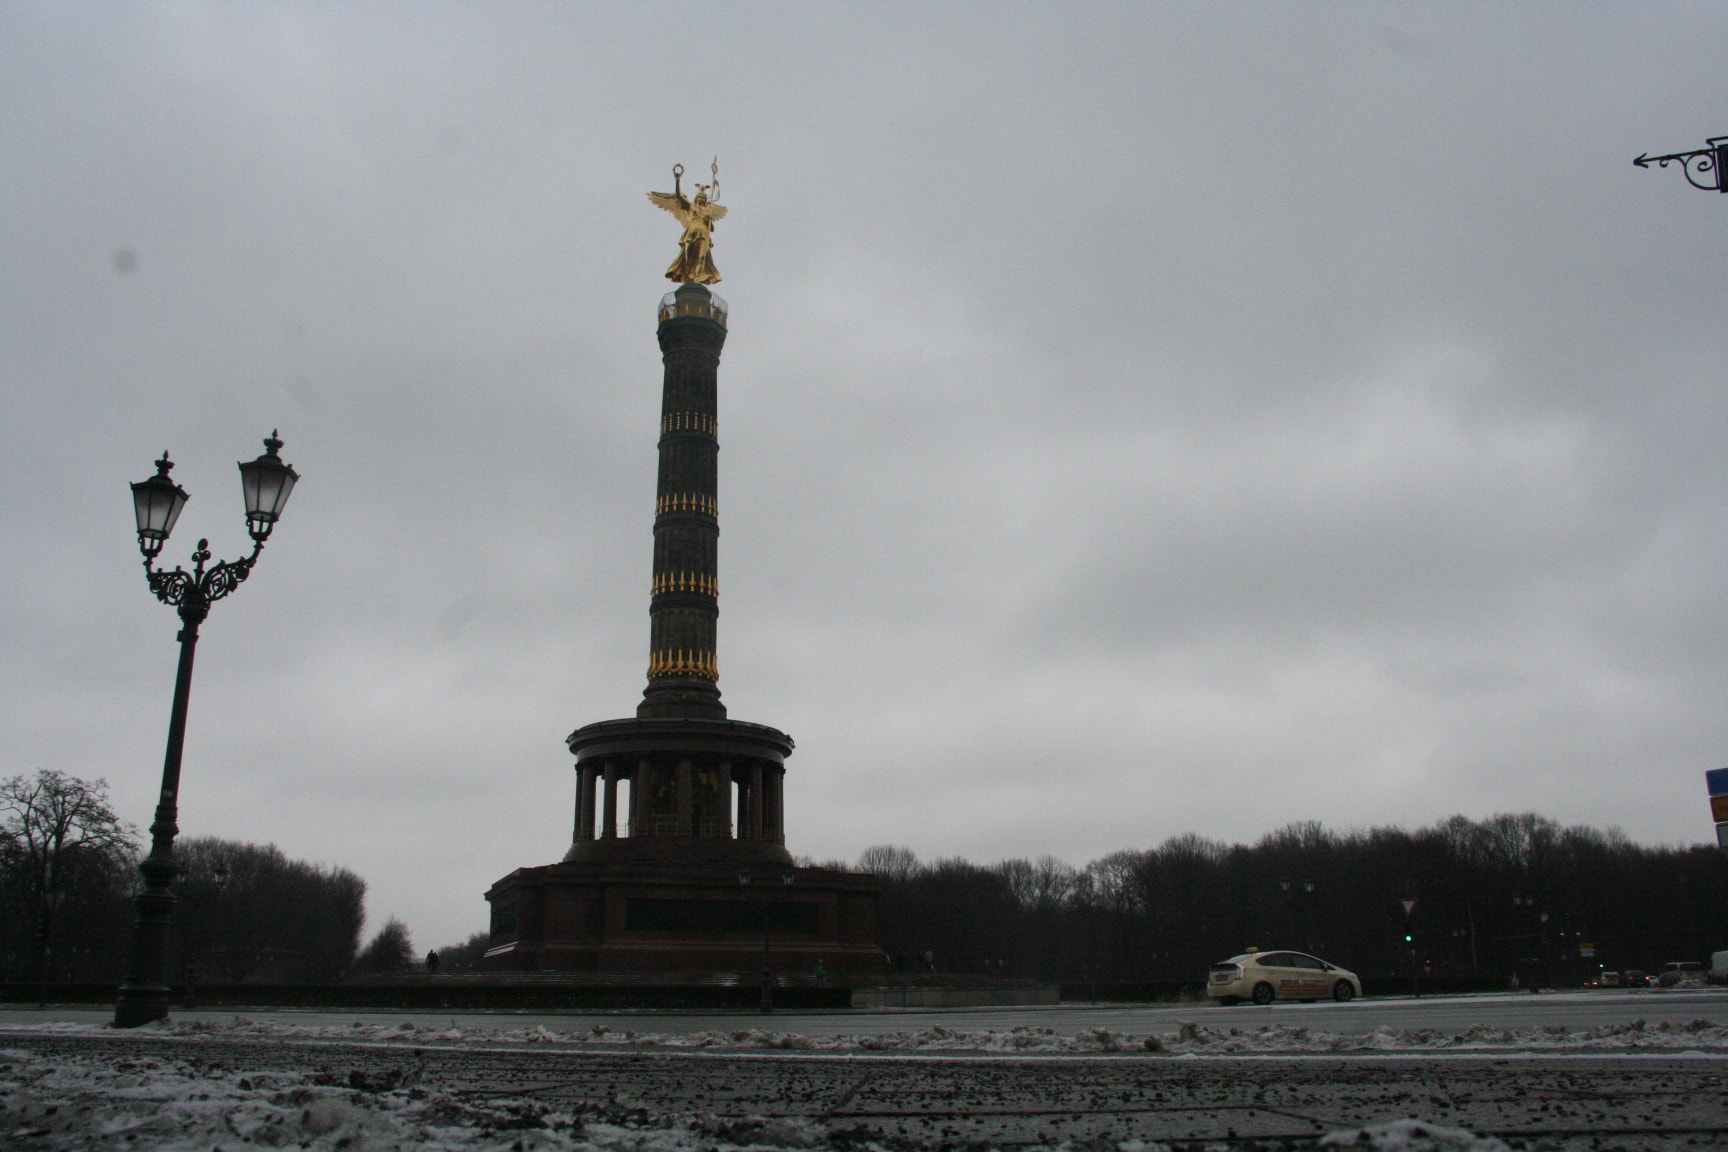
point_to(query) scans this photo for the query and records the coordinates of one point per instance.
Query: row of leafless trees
(246, 912)
(1491, 897)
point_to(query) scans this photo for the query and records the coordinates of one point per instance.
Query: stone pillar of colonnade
(686, 799)
(756, 799)
(641, 790)
(609, 803)
(724, 791)
(774, 803)
(585, 776)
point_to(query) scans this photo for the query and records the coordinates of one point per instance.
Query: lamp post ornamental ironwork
(266, 484)
(1702, 167)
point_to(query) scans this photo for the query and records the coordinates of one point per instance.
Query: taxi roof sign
(1717, 781)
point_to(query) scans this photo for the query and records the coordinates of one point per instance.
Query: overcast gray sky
(1136, 419)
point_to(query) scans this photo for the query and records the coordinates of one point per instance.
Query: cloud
(1133, 421)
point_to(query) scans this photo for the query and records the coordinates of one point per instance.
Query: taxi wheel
(1343, 992)
(1263, 994)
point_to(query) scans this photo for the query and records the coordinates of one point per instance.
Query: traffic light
(1408, 938)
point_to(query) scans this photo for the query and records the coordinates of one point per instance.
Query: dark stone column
(683, 672)
(585, 802)
(609, 809)
(641, 796)
(685, 805)
(725, 793)
(756, 798)
(775, 814)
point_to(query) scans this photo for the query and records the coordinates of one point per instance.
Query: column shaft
(585, 802)
(641, 796)
(724, 791)
(774, 803)
(609, 808)
(682, 666)
(685, 800)
(756, 800)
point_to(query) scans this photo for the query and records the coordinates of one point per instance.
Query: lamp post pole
(767, 1004)
(50, 908)
(266, 483)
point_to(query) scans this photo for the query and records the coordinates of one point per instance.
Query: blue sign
(1717, 780)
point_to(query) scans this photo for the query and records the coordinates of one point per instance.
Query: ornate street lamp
(266, 483)
(1702, 167)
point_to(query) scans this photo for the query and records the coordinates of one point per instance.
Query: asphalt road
(915, 1103)
(1575, 1010)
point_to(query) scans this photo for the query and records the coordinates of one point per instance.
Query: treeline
(249, 914)
(1492, 897)
(246, 913)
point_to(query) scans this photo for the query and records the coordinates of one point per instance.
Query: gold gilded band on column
(686, 502)
(683, 662)
(686, 582)
(689, 422)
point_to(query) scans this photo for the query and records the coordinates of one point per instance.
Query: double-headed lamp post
(266, 483)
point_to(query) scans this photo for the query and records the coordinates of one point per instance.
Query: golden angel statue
(695, 263)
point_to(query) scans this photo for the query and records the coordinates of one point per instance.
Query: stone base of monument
(630, 912)
(694, 991)
(939, 990)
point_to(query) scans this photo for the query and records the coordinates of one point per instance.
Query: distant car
(1637, 978)
(1718, 973)
(1608, 980)
(1681, 972)
(1267, 976)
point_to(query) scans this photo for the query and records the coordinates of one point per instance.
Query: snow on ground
(1188, 1039)
(65, 1102)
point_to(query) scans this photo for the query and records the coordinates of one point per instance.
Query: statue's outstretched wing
(715, 211)
(674, 204)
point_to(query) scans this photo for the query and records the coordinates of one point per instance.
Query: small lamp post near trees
(218, 877)
(266, 484)
(51, 901)
(744, 880)
(1301, 893)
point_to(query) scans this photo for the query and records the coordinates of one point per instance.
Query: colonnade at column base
(677, 856)
(677, 779)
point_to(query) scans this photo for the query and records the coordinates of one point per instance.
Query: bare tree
(893, 864)
(389, 951)
(59, 840)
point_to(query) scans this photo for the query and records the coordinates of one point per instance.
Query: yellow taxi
(1267, 976)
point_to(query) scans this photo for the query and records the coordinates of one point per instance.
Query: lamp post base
(144, 1004)
(143, 994)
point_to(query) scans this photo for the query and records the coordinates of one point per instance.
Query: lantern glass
(156, 503)
(266, 483)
